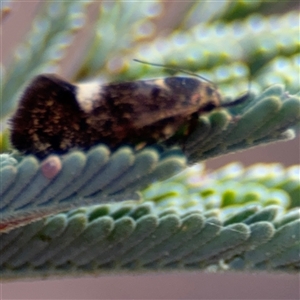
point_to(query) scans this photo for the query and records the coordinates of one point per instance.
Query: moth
(54, 115)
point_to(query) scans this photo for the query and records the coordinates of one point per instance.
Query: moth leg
(181, 135)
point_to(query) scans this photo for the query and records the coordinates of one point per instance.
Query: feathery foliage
(103, 211)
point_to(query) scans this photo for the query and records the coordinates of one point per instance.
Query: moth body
(55, 116)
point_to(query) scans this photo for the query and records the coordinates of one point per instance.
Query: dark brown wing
(149, 101)
(55, 116)
(47, 107)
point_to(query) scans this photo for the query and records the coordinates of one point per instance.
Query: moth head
(210, 98)
(214, 100)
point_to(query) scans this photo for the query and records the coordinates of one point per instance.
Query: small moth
(55, 116)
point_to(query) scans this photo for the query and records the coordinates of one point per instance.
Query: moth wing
(146, 102)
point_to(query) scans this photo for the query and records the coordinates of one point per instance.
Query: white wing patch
(87, 94)
(161, 83)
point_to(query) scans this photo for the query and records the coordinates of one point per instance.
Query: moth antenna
(240, 99)
(237, 101)
(174, 69)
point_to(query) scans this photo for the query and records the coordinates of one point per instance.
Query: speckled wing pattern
(55, 115)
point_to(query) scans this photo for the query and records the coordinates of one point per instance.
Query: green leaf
(98, 211)
(51, 34)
